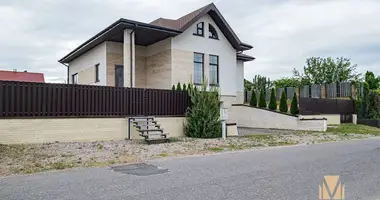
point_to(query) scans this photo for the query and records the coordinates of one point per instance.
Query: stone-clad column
(129, 36)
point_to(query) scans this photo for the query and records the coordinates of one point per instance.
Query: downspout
(67, 66)
(131, 59)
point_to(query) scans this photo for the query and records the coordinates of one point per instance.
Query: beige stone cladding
(227, 103)
(112, 60)
(182, 66)
(87, 76)
(239, 97)
(140, 70)
(17, 131)
(158, 70)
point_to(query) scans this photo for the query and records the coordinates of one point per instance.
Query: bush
(253, 101)
(273, 101)
(178, 87)
(184, 87)
(173, 87)
(284, 103)
(294, 107)
(203, 118)
(374, 104)
(262, 101)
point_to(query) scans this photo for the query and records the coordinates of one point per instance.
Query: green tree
(262, 101)
(273, 101)
(184, 87)
(372, 81)
(253, 101)
(203, 117)
(374, 104)
(283, 103)
(261, 82)
(248, 85)
(173, 87)
(327, 70)
(287, 82)
(294, 106)
(178, 87)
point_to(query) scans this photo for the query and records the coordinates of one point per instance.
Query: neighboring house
(162, 53)
(21, 76)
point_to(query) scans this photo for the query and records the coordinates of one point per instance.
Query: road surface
(278, 173)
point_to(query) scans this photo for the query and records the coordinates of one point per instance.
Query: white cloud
(283, 33)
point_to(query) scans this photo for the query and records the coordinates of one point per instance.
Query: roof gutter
(67, 66)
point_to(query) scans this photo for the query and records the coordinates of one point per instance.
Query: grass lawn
(353, 128)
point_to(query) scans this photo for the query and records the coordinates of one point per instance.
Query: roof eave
(128, 24)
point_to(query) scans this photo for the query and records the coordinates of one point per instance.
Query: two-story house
(162, 53)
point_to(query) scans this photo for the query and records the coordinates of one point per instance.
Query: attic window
(200, 28)
(212, 32)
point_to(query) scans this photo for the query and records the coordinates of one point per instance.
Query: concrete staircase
(149, 129)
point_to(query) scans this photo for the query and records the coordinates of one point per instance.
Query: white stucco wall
(95, 56)
(240, 76)
(222, 47)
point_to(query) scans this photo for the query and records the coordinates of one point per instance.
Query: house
(162, 53)
(21, 76)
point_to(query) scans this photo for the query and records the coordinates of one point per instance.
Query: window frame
(216, 37)
(202, 29)
(97, 79)
(203, 66)
(217, 69)
(73, 78)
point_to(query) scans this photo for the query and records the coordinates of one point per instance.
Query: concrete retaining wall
(16, 131)
(250, 117)
(331, 119)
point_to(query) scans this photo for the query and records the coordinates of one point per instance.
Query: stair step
(156, 140)
(145, 125)
(150, 130)
(161, 134)
(140, 118)
(144, 122)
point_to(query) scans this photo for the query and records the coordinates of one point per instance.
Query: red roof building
(21, 76)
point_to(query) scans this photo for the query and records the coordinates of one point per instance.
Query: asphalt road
(279, 173)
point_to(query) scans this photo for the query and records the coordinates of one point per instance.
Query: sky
(34, 35)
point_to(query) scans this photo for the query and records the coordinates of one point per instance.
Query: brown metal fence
(19, 99)
(311, 106)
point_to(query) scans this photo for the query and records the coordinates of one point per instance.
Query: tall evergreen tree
(294, 107)
(262, 102)
(253, 101)
(283, 103)
(273, 101)
(178, 87)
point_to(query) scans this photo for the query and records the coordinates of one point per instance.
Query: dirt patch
(31, 158)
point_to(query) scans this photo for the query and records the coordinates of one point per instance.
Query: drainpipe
(67, 66)
(131, 59)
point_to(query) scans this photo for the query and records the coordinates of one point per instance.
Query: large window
(200, 28)
(214, 70)
(212, 32)
(74, 78)
(198, 68)
(97, 73)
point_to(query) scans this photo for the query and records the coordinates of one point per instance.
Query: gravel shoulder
(32, 158)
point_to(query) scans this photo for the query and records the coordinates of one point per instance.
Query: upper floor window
(198, 68)
(214, 70)
(97, 73)
(200, 29)
(212, 32)
(74, 78)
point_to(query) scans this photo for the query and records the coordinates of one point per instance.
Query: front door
(119, 76)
